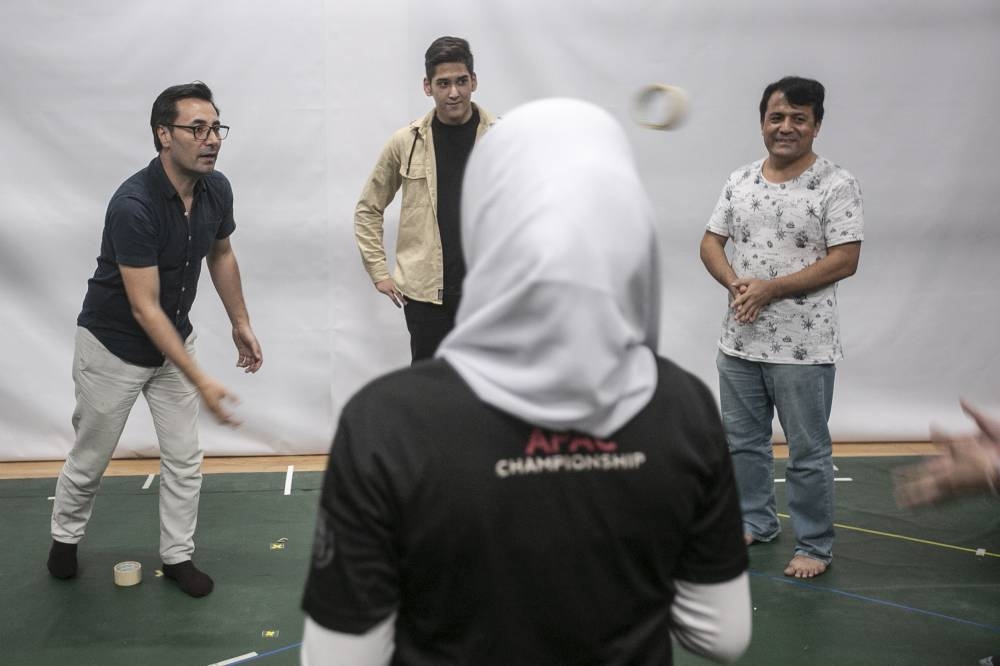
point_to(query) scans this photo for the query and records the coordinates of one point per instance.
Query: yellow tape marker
(974, 551)
(277, 546)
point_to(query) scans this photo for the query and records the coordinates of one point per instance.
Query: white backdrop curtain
(313, 88)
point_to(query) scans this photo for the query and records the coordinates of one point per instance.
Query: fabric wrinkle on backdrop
(308, 115)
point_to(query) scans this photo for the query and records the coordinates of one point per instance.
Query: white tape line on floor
(235, 660)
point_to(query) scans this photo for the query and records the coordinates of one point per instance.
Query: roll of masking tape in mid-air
(128, 573)
(660, 107)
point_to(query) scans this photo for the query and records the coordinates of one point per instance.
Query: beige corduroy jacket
(407, 162)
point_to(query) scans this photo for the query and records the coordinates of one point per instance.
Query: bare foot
(748, 538)
(804, 567)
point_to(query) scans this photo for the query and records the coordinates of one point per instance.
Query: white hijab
(559, 318)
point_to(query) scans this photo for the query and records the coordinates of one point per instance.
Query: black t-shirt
(145, 226)
(452, 146)
(497, 542)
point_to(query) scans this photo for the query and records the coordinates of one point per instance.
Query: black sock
(62, 559)
(189, 578)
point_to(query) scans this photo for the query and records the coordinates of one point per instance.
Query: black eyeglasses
(200, 132)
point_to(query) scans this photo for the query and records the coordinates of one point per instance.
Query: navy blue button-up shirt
(145, 226)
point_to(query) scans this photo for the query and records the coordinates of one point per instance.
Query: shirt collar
(163, 184)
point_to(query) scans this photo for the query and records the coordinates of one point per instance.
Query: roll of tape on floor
(128, 573)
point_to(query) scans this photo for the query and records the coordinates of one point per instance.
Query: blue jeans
(803, 395)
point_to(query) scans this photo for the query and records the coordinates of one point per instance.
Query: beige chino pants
(106, 389)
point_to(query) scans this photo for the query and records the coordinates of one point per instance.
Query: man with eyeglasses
(426, 159)
(133, 333)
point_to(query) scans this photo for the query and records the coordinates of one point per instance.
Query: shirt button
(189, 238)
(187, 263)
(178, 312)
(183, 288)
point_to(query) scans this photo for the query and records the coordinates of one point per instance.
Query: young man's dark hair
(447, 49)
(799, 92)
(165, 106)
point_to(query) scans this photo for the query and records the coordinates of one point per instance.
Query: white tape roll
(128, 573)
(661, 107)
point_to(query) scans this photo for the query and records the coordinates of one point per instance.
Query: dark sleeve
(228, 225)
(132, 232)
(353, 579)
(715, 551)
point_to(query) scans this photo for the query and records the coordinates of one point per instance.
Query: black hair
(447, 49)
(799, 92)
(165, 107)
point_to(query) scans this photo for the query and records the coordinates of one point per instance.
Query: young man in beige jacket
(426, 159)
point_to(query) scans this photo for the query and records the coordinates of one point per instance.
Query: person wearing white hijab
(562, 314)
(547, 490)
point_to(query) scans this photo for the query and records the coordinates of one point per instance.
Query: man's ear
(427, 87)
(164, 135)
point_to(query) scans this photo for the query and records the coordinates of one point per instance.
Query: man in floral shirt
(796, 224)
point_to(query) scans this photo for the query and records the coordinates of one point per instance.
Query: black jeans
(428, 324)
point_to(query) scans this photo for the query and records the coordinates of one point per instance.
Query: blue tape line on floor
(881, 602)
